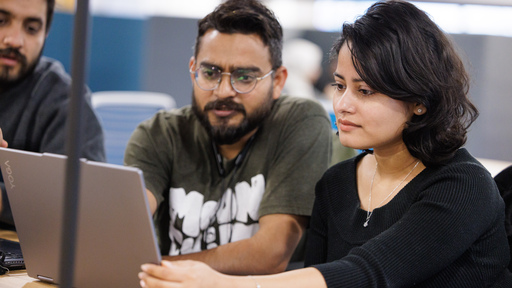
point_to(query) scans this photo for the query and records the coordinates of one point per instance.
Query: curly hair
(246, 17)
(400, 52)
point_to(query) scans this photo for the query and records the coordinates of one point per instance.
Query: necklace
(368, 212)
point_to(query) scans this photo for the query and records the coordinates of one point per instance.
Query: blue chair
(121, 111)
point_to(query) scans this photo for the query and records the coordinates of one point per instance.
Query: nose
(13, 38)
(225, 88)
(343, 102)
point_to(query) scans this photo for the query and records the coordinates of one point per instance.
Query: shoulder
(180, 122)
(297, 114)
(504, 179)
(465, 167)
(50, 81)
(298, 106)
(48, 67)
(183, 116)
(460, 180)
(342, 173)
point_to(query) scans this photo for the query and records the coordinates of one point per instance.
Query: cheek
(390, 116)
(336, 100)
(201, 97)
(34, 47)
(392, 123)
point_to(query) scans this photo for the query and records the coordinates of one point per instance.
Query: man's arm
(152, 201)
(266, 252)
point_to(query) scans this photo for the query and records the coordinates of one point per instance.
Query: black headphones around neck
(238, 160)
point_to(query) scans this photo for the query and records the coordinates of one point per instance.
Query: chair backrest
(121, 111)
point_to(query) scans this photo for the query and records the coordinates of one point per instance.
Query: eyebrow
(233, 68)
(28, 19)
(34, 19)
(343, 78)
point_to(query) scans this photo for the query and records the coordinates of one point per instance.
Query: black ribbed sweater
(445, 228)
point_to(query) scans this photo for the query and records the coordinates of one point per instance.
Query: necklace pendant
(365, 224)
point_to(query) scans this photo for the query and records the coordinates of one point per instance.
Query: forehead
(233, 50)
(345, 65)
(25, 8)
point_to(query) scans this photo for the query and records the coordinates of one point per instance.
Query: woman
(415, 209)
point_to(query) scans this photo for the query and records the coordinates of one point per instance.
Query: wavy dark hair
(49, 13)
(245, 17)
(400, 52)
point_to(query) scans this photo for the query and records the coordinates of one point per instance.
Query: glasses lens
(243, 81)
(208, 77)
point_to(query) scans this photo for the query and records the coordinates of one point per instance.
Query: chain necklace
(368, 212)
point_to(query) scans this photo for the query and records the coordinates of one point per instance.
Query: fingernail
(142, 283)
(166, 263)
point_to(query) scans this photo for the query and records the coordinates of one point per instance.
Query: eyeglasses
(242, 80)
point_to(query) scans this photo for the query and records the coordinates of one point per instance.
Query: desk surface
(19, 278)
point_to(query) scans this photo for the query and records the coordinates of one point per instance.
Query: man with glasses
(231, 178)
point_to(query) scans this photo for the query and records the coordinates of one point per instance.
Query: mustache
(224, 104)
(13, 53)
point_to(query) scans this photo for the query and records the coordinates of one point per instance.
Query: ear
(280, 76)
(191, 67)
(419, 109)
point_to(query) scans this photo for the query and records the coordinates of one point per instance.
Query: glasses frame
(231, 81)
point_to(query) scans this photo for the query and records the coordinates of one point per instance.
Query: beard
(7, 78)
(225, 134)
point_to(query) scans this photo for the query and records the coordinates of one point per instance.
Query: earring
(420, 110)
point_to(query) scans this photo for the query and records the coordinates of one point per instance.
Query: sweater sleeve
(316, 245)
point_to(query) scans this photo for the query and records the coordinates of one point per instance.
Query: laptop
(115, 233)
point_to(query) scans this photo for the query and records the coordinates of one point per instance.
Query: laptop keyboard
(10, 256)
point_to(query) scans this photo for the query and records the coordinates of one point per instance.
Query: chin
(351, 144)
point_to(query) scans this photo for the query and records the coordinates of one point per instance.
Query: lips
(346, 126)
(8, 61)
(10, 57)
(223, 112)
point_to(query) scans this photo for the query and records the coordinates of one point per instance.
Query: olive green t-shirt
(198, 208)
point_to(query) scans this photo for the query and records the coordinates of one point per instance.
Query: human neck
(230, 151)
(394, 163)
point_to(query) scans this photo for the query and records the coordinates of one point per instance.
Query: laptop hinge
(44, 278)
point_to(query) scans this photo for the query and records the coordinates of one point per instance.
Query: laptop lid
(115, 233)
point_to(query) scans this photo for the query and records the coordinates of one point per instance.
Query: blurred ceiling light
(325, 15)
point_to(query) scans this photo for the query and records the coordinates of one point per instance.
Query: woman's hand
(186, 274)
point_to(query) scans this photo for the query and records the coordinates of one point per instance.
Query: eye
(243, 76)
(366, 92)
(33, 27)
(338, 86)
(3, 19)
(210, 73)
